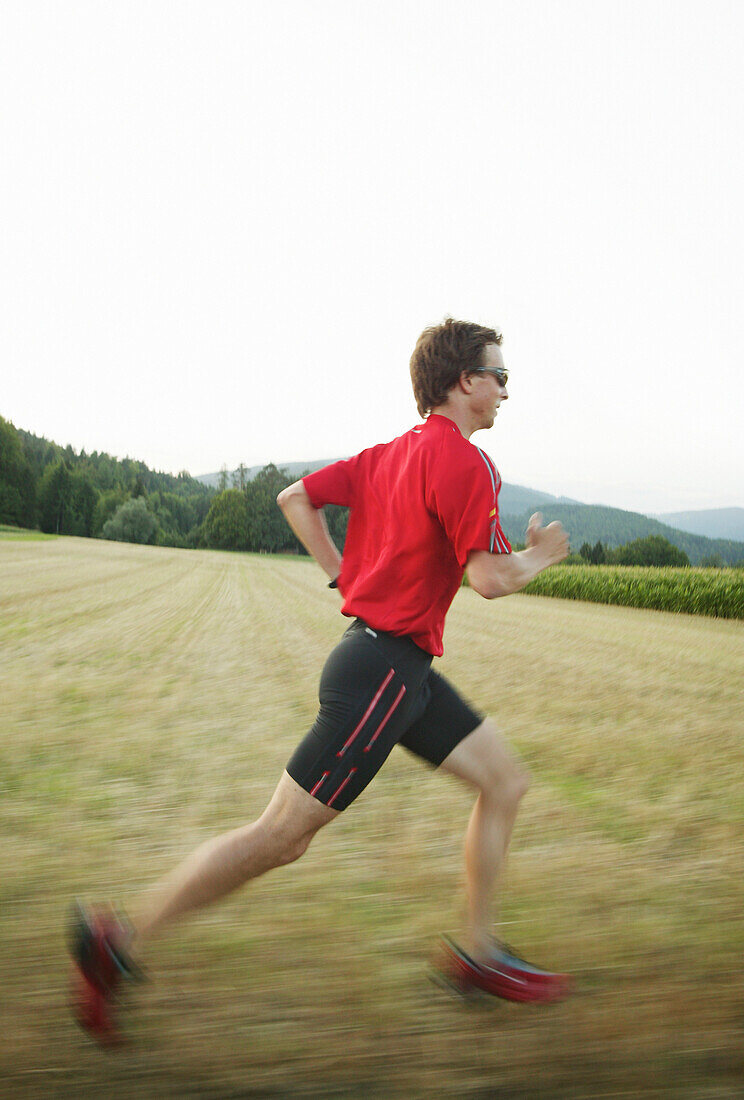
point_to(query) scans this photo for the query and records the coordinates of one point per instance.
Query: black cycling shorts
(376, 691)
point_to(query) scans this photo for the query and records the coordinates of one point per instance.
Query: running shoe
(95, 940)
(503, 974)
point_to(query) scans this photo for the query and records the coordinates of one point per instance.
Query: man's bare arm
(493, 575)
(309, 525)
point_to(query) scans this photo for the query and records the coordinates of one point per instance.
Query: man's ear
(465, 382)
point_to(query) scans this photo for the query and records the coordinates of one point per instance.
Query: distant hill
(294, 469)
(612, 526)
(516, 499)
(715, 523)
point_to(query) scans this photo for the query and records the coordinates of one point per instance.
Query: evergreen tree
(55, 499)
(67, 501)
(598, 554)
(17, 489)
(83, 500)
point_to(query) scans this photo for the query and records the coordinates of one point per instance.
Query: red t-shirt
(419, 505)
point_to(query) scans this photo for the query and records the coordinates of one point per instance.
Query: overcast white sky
(224, 225)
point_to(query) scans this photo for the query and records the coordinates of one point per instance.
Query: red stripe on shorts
(338, 792)
(320, 782)
(384, 722)
(368, 711)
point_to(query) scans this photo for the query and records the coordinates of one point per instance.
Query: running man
(423, 510)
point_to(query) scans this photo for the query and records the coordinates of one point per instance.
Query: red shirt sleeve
(465, 501)
(333, 484)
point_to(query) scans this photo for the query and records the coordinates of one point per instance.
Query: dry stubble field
(151, 697)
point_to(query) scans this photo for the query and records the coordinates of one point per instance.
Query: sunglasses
(501, 376)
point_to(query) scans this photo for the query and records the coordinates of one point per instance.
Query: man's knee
(288, 845)
(293, 848)
(503, 776)
(521, 782)
(508, 783)
(486, 762)
(291, 820)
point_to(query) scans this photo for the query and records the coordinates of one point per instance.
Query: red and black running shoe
(503, 974)
(96, 940)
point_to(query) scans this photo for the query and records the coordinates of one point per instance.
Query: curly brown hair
(441, 355)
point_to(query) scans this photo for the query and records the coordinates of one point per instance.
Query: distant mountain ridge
(584, 522)
(715, 523)
(594, 523)
(294, 469)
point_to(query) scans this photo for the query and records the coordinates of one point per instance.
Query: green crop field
(150, 698)
(718, 592)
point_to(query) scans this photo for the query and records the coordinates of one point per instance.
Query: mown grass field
(150, 697)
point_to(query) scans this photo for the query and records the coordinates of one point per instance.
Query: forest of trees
(65, 493)
(61, 492)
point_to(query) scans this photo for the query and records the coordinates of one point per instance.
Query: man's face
(488, 393)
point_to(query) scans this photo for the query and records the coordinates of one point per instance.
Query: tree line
(62, 492)
(652, 550)
(249, 518)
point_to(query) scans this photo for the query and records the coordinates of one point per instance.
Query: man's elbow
(489, 587)
(494, 575)
(493, 590)
(292, 493)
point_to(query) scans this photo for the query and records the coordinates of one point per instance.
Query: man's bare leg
(219, 866)
(484, 760)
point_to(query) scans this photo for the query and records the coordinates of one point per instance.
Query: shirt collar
(441, 423)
